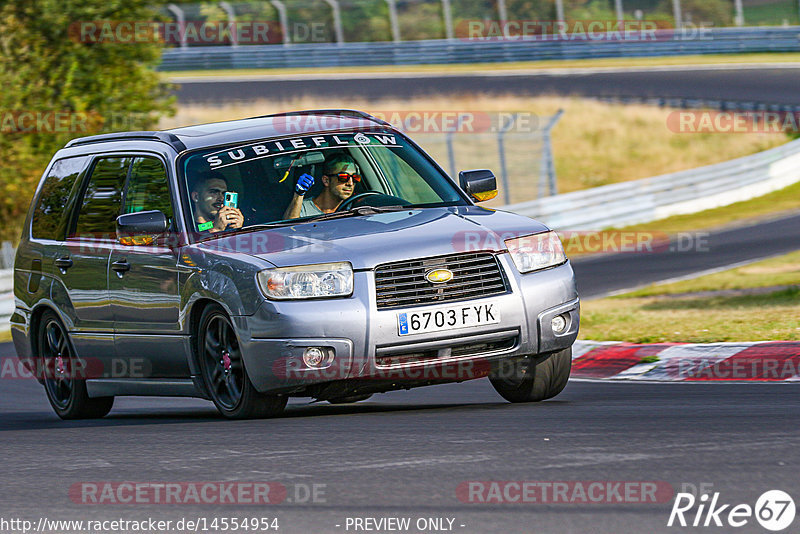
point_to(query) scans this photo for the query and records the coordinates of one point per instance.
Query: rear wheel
(222, 367)
(64, 382)
(533, 378)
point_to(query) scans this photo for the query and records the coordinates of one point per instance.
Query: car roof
(263, 127)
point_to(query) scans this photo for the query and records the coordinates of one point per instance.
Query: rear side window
(102, 200)
(147, 187)
(49, 221)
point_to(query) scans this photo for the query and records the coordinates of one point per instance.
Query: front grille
(453, 351)
(475, 274)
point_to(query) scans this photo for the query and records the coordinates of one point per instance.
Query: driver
(339, 180)
(210, 212)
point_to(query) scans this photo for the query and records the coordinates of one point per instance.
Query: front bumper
(365, 342)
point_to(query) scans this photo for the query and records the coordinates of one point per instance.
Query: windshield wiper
(265, 226)
(358, 210)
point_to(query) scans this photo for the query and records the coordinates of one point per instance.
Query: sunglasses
(343, 177)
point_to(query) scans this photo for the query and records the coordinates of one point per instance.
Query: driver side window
(148, 188)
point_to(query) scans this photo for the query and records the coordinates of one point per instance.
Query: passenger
(340, 176)
(210, 212)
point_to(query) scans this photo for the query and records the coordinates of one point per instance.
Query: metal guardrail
(662, 196)
(6, 298)
(715, 41)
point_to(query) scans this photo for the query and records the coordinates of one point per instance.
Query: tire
(222, 368)
(65, 389)
(533, 378)
(350, 399)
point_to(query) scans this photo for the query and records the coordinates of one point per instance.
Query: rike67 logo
(774, 510)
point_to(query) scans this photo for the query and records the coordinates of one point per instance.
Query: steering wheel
(347, 204)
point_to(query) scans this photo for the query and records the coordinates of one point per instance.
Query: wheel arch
(36, 317)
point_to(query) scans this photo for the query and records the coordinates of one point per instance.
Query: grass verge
(716, 59)
(5, 336)
(750, 303)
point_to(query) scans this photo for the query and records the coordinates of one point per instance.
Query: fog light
(559, 324)
(316, 357)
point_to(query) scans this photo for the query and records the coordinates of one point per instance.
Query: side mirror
(479, 184)
(141, 228)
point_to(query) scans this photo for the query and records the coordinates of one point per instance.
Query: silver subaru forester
(314, 254)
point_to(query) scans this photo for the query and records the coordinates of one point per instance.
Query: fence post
(618, 9)
(393, 20)
(180, 18)
(228, 9)
(738, 19)
(676, 13)
(451, 155)
(337, 20)
(559, 12)
(284, 20)
(547, 173)
(447, 15)
(502, 13)
(501, 154)
(7, 253)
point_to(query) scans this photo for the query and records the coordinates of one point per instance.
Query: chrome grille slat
(456, 271)
(425, 283)
(459, 295)
(419, 264)
(448, 289)
(404, 284)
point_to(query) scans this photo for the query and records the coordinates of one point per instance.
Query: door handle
(63, 264)
(120, 267)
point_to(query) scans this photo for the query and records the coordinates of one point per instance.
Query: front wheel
(533, 378)
(64, 374)
(222, 367)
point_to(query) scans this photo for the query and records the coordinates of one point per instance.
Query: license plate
(447, 318)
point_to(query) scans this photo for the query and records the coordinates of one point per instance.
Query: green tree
(46, 68)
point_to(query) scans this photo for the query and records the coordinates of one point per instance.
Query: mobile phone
(232, 199)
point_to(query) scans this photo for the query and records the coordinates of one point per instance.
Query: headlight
(307, 281)
(535, 252)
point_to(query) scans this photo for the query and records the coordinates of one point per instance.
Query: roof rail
(164, 137)
(352, 113)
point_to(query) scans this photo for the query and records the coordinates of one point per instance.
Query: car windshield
(372, 168)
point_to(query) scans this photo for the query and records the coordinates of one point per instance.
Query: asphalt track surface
(769, 85)
(687, 255)
(404, 454)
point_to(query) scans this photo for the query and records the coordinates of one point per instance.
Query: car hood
(367, 241)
